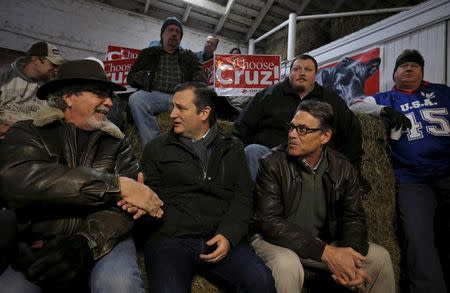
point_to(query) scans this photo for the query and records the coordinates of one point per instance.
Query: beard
(95, 123)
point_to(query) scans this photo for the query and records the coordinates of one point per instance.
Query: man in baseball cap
(20, 80)
(63, 173)
(47, 50)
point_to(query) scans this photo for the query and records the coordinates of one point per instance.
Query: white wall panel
(430, 42)
(84, 28)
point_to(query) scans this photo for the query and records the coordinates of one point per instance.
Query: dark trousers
(424, 217)
(172, 263)
(8, 228)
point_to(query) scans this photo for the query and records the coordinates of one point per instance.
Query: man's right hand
(397, 119)
(137, 194)
(344, 263)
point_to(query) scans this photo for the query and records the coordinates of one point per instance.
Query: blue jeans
(145, 106)
(172, 263)
(117, 271)
(417, 207)
(254, 152)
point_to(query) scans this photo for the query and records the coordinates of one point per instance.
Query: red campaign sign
(346, 76)
(117, 53)
(118, 63)
(245, 75)
(117, 70)
(208, 67)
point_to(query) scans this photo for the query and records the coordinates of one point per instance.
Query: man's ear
(205, 113)
(69, 100)
(326, 136)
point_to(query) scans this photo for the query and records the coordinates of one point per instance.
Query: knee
(137, 100)
(259, 279)
(255, 150)
(287, 267)
(118, 280)
(380, 259)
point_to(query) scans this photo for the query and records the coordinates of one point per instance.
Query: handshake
(138, 199)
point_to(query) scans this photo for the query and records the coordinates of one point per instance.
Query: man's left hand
(61, 260)
(359, 283)
(222, 249)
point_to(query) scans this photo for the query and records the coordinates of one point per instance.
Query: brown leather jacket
(279, 181)
(53, 194)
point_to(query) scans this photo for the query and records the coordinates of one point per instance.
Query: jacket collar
(331, 155)
(173, 138)
(49, 114)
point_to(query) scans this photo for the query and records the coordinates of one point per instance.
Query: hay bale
(201, 285)
(379, 203)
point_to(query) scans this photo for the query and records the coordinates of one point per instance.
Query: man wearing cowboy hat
(63, 173)
(156, 72)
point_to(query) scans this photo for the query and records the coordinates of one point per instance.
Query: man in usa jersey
(419, 111)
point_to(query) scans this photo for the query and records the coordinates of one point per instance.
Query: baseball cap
(47, 50)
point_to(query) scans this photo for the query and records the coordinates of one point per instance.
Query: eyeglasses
(301, 131)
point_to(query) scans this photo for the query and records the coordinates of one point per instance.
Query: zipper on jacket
(92, 141)
(72, 135)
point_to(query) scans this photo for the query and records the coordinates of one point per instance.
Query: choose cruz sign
(245, 75)
(118, 63)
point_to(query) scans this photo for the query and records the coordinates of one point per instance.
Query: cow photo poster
(352, 77)
(245, 75)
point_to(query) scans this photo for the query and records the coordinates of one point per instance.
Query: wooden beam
(186, 12)
(302, 8)
(147, 5)
(224, 17)
(207, 5)
(258, 20)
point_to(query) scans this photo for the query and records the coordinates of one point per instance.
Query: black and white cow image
(347, 78)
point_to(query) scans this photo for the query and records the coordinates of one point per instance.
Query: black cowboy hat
(75, 72)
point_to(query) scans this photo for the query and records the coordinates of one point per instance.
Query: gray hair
(319, 110)
(56, 100)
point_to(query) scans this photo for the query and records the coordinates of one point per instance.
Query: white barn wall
(422, 27)
(83, 28)
(430, 42)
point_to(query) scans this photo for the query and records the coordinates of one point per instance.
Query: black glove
(25, 257)
(60, 261)
(397, 119)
